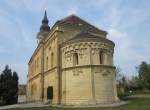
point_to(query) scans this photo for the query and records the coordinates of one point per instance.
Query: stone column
(115, 88)
(92, 76)
(42, 70)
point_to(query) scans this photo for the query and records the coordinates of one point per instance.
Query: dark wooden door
(50, 92)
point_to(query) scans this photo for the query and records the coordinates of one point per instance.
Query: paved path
(38, 104)
(98, 105)
(28, 105)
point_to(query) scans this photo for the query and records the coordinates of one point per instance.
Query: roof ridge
(68, 17)
(86, 22)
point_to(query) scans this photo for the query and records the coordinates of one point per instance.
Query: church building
(72, 64)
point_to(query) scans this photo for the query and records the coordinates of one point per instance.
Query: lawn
(135, 104)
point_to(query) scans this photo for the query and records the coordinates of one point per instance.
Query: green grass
(146, 92)
(135, 104)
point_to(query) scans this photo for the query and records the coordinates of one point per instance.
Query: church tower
(44, 28)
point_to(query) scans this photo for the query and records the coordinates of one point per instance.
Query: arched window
(46, 63)
(75, 59)
(52, 59)
(101, 57)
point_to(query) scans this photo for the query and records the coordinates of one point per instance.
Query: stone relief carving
(77, 71)
(106, 72)
(103, 72)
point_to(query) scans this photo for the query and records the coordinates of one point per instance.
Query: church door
(50, 92)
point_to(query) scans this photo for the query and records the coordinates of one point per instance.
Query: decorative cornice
(45, 73)
(34, 77)
(98, 39)
(94, 45)
(50, 70)
(88, 66)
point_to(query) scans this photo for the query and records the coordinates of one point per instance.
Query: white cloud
(123, 50)
(123, 43)
(126, 55)
(72, 11)
(21, 69)
(115, 34)
(129, 50)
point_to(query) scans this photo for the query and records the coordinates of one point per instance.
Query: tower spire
(45, 26)
(45, 19)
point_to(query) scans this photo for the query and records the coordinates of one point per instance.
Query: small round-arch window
(101, 57)
(52, 59)
(75, 59)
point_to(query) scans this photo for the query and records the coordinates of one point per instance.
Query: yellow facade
(75, 59)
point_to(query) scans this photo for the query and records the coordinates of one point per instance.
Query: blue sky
(127, 22)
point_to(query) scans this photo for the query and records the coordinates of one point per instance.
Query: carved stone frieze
(103, 71)
(94, 46)
(77, 71)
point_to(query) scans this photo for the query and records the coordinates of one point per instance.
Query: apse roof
(74, 20)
